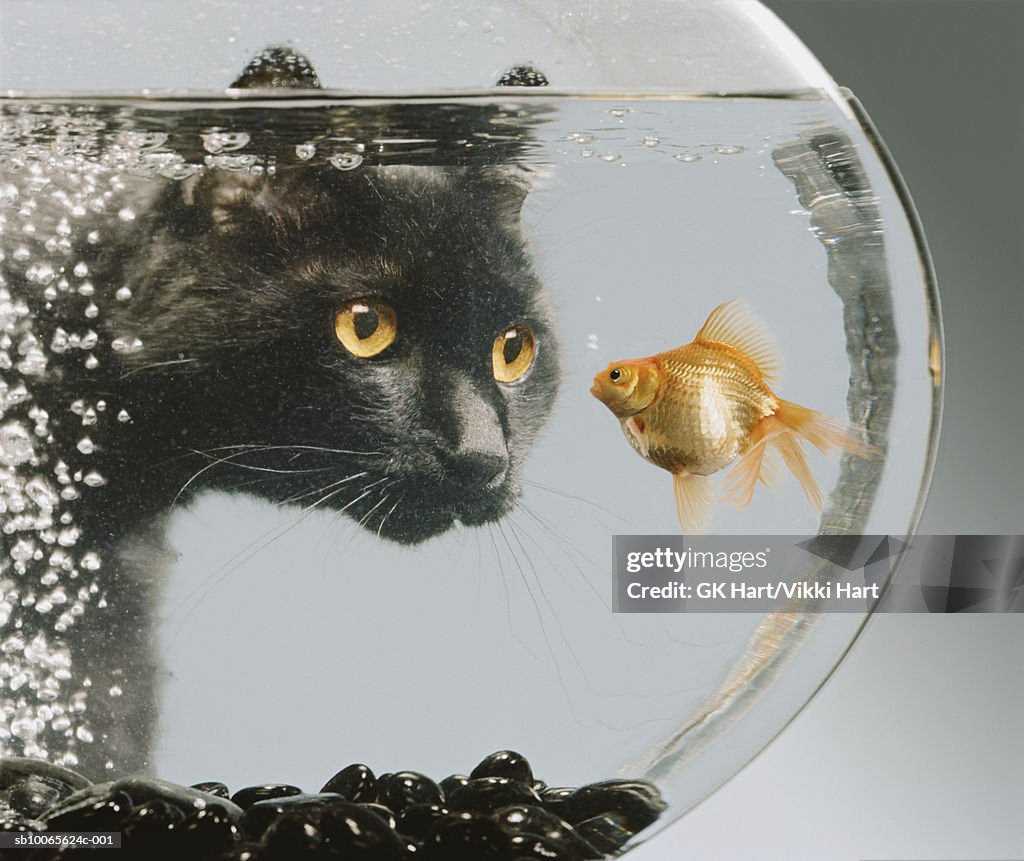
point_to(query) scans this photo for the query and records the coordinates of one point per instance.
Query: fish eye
(513, 353)
(615, 374)
(366, 327)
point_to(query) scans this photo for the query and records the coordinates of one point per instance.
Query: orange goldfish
(698, 408)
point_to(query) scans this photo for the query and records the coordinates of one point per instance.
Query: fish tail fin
(826, 434)
(693, 502)
(783, 433)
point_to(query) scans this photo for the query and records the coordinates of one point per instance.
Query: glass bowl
(298, 463)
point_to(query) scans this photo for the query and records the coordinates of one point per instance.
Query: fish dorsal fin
(733, 323)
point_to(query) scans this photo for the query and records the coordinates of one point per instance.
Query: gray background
(914, 749)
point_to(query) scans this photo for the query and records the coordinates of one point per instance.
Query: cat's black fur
(240, 383)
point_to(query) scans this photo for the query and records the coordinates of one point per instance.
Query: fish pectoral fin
(733, 323)
(638, 431)
(757, 464)
(693, 501)
(742, 478)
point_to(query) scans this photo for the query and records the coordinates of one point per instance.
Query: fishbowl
(342, 347)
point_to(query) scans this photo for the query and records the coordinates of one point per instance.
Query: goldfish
(709, 404)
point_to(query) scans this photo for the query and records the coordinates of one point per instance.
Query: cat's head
(372, 341)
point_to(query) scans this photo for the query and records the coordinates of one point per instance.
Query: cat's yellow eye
(512, 354)
(366, 327)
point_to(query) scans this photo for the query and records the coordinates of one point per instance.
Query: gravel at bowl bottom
(498, 812)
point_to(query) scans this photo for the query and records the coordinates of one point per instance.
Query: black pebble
(355, 831)
(400, 790)
(33, 795)
(383, 812)
(554, 797)
(417, 819)
(105, 813)
(452, 782)
(259, 816)
(534, 846)
(291, 835)
(636, 803)
(209, 830)
(607, 833)
(529, 819)
(356, 783)
(247, 797)
(13, 769)
(505, 763)
(149, 821)
(492, 793)
(467, 837)
(213, 787)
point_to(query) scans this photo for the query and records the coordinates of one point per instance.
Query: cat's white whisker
(152, 365)
(574, 498)
(391, 511)
(378, 504)
(366, 492)
(298, 496)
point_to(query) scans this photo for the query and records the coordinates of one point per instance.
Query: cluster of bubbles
(58, 188)
(607, 142)
(64, 171)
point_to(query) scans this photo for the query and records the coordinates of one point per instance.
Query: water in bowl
(169, 606)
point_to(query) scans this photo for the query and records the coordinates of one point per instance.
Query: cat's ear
(507, 186)
(234, 201)
(278, 67)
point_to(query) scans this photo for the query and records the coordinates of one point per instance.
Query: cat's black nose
(474, 470)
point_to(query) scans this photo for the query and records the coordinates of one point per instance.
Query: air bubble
(592, 342)
(346, 161)
(729, 150)
(218, 142)
(68, 537)
(123, 416)
(305, 151)
(85, 445)
(611, 157)
(126, 214)
(94, 479)
(126, 344)
(123, 294)
(179, 172)
(651, 140)
(688, 157)
(142, 140)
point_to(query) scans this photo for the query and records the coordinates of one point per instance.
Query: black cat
(372, 341)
